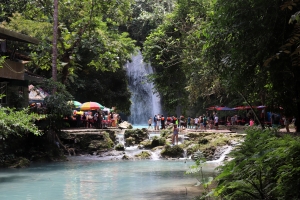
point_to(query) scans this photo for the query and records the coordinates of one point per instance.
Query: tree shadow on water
(12, 178)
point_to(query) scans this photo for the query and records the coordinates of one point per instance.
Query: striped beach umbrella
(90, 106)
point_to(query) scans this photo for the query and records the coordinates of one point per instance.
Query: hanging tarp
(36, 95)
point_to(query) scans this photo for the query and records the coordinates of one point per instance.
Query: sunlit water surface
(86, 178)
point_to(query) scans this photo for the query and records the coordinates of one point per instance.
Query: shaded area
(12, 178)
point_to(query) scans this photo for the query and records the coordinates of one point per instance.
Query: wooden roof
(12, 35)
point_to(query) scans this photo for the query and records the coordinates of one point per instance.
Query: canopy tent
(220, 108)
(248, 107)
(224, 108)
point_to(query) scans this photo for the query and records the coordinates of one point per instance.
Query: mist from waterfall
(145, 103)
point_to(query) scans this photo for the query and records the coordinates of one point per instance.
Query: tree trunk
(54, 42)
(255, 115)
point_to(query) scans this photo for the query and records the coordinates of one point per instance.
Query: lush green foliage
(164, 48)
(57, 106)
(265, 166)
(17, 123)
(109, 89)
(89, 40)
(217, 50)
(147, 16)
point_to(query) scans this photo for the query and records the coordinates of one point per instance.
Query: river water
(89, 178)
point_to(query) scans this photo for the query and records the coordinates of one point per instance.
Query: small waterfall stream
(145, 103)
(223, 154)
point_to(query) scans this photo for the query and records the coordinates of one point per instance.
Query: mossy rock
(158, 141)
(172, 151)
(112, 134)
(138, 134)
(203, 141)
(165, 133)
(192, 135)
(143, 155)
(107, 143)
(119, 147)
(146, 144)
(21, 163)
(130, 141)
(125, 157)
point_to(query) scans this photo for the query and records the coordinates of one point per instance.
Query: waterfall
(120, 139)
(145, 103)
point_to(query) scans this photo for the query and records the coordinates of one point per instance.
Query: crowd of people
(97, 119)
(202, 122)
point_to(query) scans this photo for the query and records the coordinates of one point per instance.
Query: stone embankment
(102, 142)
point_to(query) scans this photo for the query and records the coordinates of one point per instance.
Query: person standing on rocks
(155, 122)
(158, 121)
(162, 120)
(175, 134)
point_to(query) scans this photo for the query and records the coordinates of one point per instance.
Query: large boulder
(125, 125)
(119, 147)
(158, 141)
(143, 155)
(106, 143)
(172, 151)
(136, 135)
(147, 144)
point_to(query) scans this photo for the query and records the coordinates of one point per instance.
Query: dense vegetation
(205, 52)
(267, 170)
(227, 53)
(198, 50)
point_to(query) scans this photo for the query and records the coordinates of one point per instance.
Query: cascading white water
(145, 103)
(227, 150)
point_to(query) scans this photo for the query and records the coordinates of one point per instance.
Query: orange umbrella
(90, 106)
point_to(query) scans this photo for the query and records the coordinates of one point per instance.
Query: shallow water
(89, 178)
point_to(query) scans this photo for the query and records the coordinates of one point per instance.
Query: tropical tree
(146, 17)
(238, 45)
(168, 50)
(88, 36)
(289, 53)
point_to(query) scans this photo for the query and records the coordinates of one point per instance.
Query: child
(175, 134)
(251, 122)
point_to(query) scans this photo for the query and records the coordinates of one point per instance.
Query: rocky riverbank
(115, 143)
(127, 144)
